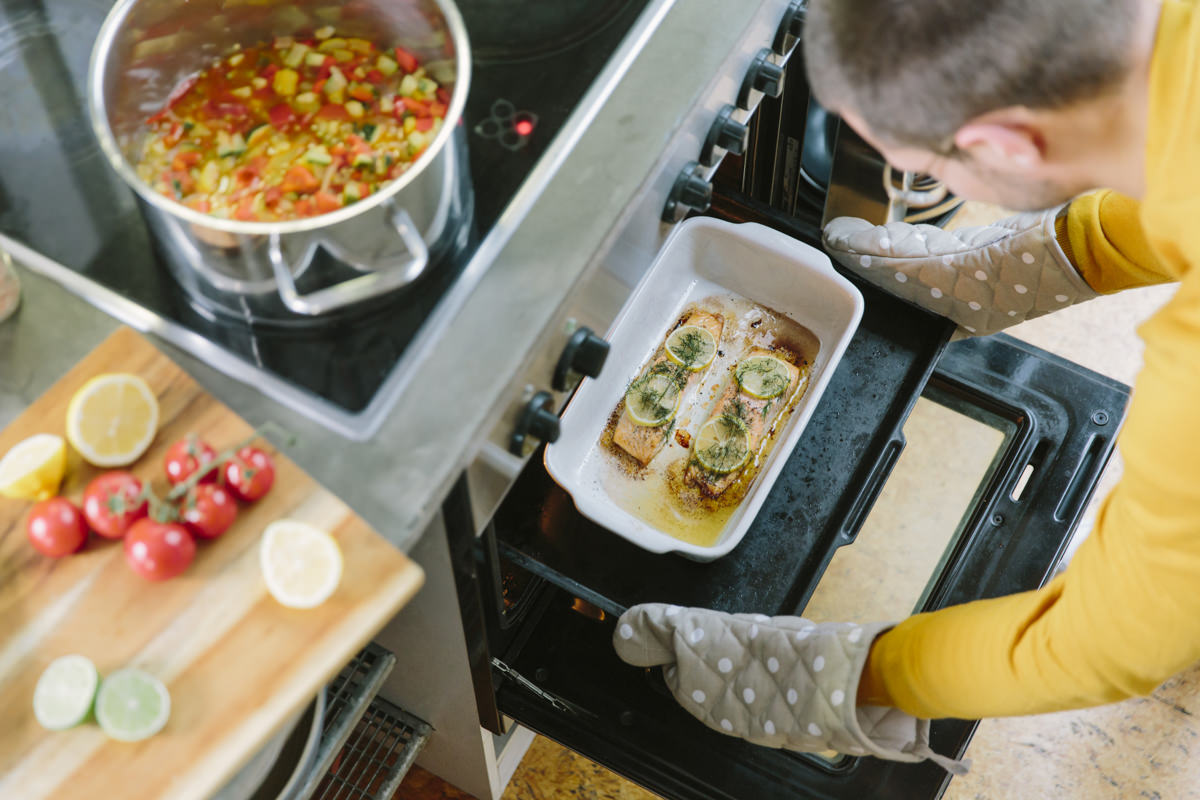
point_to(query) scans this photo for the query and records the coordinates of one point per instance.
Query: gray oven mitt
(984, 278)
(776, 681)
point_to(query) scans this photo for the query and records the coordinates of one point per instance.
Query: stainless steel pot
(264, 270)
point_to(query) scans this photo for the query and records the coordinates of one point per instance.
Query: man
(1027, 104)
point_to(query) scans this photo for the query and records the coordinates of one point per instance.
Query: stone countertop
(397, 480)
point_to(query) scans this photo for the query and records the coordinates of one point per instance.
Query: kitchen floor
(1140, 748)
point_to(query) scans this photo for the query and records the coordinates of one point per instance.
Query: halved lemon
(691, 346)
(33, 469)
(112, 419)
(301, 565)
(763, 377)
(652, 400)
(723, 444)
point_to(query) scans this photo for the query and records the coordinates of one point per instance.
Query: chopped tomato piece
(326, 68)
(269, 71)
(304, 207)
(443, 96)
(182, 182)
(375, 76)
(174, 134)
(327, 202)
(363, 93)
(407, 61)
(251, 170)
(424, 123)
(245, 210)
(186, 159)
(281, 115)
(418, 107)
(272, 195)
(300, 179)
(437, 108)
(203, 206)
(333, 111)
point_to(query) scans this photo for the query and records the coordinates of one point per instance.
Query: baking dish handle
(356, 289)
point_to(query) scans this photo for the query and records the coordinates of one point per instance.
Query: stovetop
(59, 196)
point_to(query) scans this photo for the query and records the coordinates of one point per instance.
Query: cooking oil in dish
(661, 493)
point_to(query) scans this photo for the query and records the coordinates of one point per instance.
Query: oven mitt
(776, 681)
(10, 287)
(984, 278)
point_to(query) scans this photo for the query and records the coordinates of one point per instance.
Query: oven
(540, 586)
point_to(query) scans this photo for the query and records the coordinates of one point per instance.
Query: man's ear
(1002, 141)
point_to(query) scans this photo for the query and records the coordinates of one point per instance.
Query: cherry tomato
(208, 510)
(249, 474)
(186, 456)
(158, 550)
(56, 527)
(112, 502)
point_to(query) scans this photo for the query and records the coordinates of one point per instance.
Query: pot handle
(356, 289)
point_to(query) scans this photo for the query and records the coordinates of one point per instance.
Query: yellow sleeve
(1124, 615)
(1102, 235)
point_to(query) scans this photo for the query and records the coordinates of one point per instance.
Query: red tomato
(112, 502)
(56, 527)
(281, 115)
(158, 550)
(300, 178)
(208, 511)
(335, 112)
(249, 474)
(185, 457)
(407, 61)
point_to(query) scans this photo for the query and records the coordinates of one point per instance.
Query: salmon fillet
(644, 441)
(760, 415)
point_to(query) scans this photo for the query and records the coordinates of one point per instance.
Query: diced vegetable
(230, 145)
(408, 85)
(258, 83)
(241, 91)
(323, 33)
(342, 54)
(299, 179)
(331, 44)
(285, 81)
(351, 193)
(361, 92)
(258, 134)
(327, 202)
(406, 60)
(306, 102)
(295, 56)
(315, 59)
(317, 154)
(386, 65)
(335, 86)
(355, 109)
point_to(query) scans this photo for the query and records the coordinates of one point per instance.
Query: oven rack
(367, 743)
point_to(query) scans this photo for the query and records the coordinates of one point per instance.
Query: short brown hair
(917, 70)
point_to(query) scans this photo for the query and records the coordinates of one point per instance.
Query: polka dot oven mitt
(781, 682)
(983, 278)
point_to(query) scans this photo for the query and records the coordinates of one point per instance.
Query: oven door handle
(868, 493)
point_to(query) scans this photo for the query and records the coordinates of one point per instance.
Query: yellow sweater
(1125, 614)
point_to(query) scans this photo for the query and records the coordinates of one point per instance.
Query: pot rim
(117, 160)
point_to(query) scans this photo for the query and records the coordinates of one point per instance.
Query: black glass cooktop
(58, 195)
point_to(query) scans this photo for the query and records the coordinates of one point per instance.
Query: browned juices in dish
(643, 442)
(660, 491)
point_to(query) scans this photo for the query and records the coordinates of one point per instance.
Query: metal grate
(377, 756)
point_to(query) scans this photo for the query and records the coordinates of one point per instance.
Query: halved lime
(652, 399)
(723, 444)
(691, 346)
(763, 377)
(132, 705)
(64, 693)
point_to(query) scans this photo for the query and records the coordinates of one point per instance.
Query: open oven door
(550, 583)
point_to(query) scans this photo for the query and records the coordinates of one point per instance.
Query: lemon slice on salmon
(692, 347)
(763, 377)
(653, 399)
(723, 444)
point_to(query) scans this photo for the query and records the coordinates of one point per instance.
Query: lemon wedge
(652, 399)
(763, 377)
(692, 347)
(33, 469)
(302, 565)
(112, 419)
(723, 444)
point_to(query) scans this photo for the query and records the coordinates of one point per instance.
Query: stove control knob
(763, 76)
(584, 355)
(726, 133)
(791, 27)
(537, 421)
(691, 191)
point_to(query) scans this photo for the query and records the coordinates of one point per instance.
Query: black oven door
(546, 584)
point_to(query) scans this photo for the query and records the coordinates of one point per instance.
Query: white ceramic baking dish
(702, 259)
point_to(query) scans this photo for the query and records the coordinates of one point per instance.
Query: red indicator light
(524, 127)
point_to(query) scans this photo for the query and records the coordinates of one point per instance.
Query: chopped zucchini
(386, 65)
(206, 181)
(355, 109)
(295, 56)
(230, 145)
(341, 54)
(317, 154)
(258, 83)
(408, 85)
(242, 92)
(427, 86)
(352, 193)
(315, 59)
(258, 133)
(331, 44)
(236, 59)
(363, 160)
(335, 86)
(306, 102)
(370, 132)
(323, 33)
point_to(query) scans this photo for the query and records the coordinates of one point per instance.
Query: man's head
(996, 98)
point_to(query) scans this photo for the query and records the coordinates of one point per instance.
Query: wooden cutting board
(237, 663)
